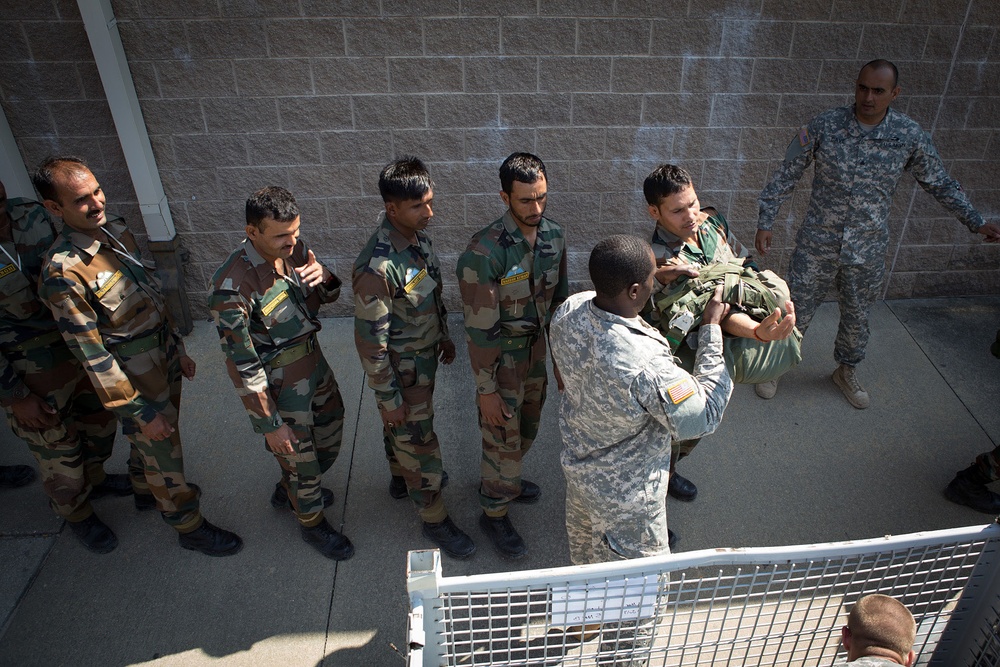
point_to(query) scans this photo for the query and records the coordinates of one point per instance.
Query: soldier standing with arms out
(106, 300)
(401, 332)
(46, 394)
(512, 277)
(265, 300)
(860, 152)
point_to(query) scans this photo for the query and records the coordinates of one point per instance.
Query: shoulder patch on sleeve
(681, 390)
(799, 144)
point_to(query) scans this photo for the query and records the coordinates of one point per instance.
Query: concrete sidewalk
(804, 467)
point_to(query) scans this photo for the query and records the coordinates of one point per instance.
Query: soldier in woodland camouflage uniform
(48, 398)
(880, 632)
(401, 331)
(686, 237)
(860, 153)
(512, 277)
(107, 303)
(616, 441)
(265, 300)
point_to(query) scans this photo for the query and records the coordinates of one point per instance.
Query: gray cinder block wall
(318, 95)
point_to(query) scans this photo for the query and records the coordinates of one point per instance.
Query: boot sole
(217, 554)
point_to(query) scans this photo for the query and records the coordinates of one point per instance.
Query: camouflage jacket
(398, 305)
(626, 398)
(509, 290)
(101, 295)
(23, 316)
(866, 661)
(856, 174)
(259, 312)
(716, 243)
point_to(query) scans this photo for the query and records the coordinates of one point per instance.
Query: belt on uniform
(42, 340)
(508, 343)
(130, 348)
(293, 353)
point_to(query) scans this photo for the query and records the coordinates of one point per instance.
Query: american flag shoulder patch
(804, 138)
(681, 391)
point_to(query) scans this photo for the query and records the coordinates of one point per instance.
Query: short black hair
(665, 180)
(521, 167)
(405, 178)
(882, 63)
(43, 178)
(273, 202)
(617, 263)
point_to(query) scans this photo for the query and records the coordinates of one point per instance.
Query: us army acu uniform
(34, 359)
(509, 292)
(267, 324)
(617, 441)
(107, 302)
(399, 322)
(716, 243)
(845, 234)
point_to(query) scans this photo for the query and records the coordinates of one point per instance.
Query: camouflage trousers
(309, 402)
(812, 271)
(601, 528)
(989, 463)
(412, 447)
(157, 466)
(521, 381)
(72, 453)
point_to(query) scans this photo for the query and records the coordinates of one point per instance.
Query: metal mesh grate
(721, 607)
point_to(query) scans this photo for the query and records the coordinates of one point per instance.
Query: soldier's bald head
(880, 626)
(618, 262)
(882, 64)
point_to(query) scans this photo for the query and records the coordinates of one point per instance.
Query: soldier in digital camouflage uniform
(107, 303)
(265, 300)
(880, 632)
(49, 401)
(401, 332)
(860, 152)
(617, 441)
(687, 236)
(512, 277)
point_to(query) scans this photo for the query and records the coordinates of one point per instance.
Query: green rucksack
(681, 306)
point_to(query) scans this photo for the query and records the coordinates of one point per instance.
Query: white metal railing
(762, 606)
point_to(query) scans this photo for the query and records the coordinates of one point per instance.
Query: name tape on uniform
(414, 281)
(273, 303)
(106, 286)
(7, 270)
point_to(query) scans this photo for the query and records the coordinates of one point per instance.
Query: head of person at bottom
(273, 222)
(880, 627)
(622, 268)
(408, 194)
(524, 188)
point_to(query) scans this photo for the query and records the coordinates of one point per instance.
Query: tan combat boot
(846, 378)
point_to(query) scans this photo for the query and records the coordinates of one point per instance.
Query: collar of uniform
(260, 265)
(881, 131)
(510, 225)
(666, 238)
(17, 210)
(398, 241)
(90, 245)
(636, 324)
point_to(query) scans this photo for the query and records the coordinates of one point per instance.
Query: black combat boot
(14, 476)
(327, 541)
(530, 493)
(280, 499)
(681, 488)
(211, 540)
(506, 540)
(113, 485)
(969, 488)
(450, 538)
(94, 534)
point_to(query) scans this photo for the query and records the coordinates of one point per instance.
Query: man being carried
(512, 277)
(265, 301)
(625, 400)
(401, 332)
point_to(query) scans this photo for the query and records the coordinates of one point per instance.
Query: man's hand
(493, 409)
(446, 353)
(280, 441)
(158, 429)
(762, 241)
(394, 418)
(991, 231)
(188, 367)
(312, 273)
(774, 327)
(716, 310)
(668, 273)
(33, 412)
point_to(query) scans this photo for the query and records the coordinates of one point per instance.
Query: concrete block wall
(318, 96)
